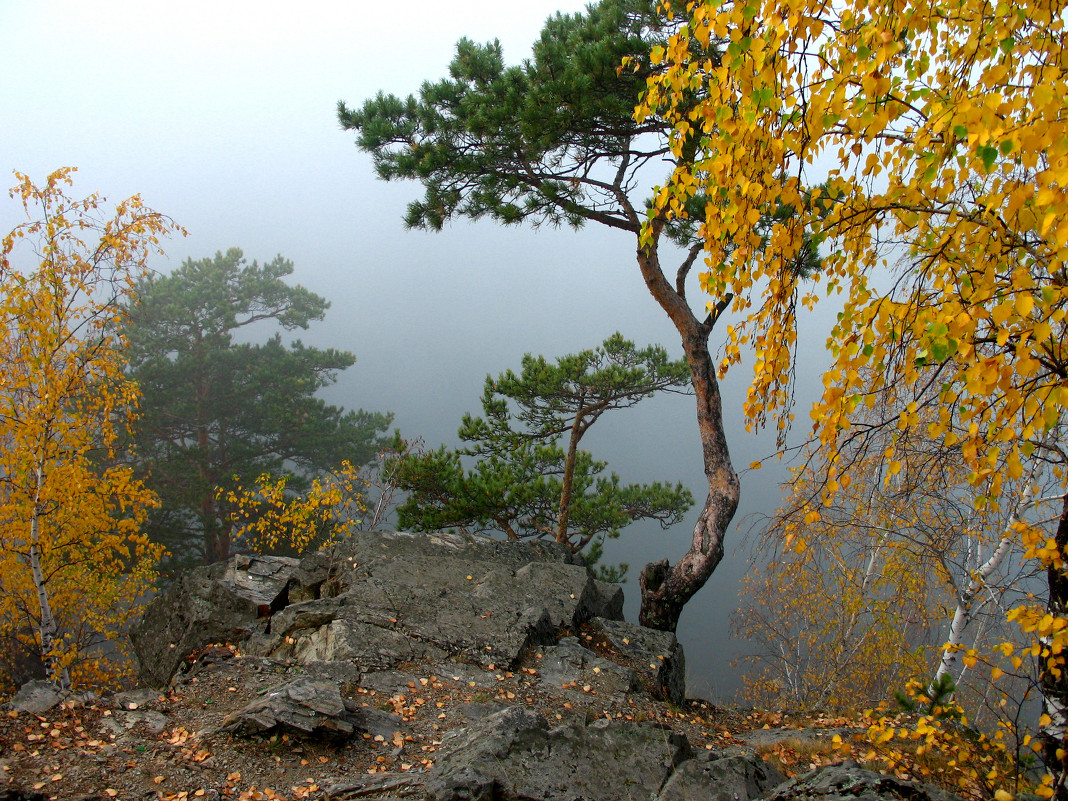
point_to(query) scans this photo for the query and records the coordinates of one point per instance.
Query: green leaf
(988, 154)
(762, 96)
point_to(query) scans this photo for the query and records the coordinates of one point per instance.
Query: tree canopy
(219, 412)
(529, 477)
(938, 134)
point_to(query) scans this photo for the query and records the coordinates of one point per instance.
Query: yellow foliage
(940, 746)
(839, 619)
(74, 566)
(845, 606)
(924, 145)
(267, 517)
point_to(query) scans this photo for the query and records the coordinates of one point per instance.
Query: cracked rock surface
(379, 600)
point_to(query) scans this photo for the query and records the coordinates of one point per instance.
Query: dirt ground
(147, 745)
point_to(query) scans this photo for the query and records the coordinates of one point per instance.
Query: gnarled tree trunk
(665, 587)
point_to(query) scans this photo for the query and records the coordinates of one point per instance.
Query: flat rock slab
(260, 579)
(135, 699)
(512, 756)
(568, 663)
(306, 705)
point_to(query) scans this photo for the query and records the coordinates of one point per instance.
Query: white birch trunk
(48, 628)
(950, 663)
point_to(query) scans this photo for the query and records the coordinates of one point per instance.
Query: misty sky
(222, 115)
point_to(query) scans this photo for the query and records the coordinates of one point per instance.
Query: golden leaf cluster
(921, 147)
(267, 516)
(71, 550)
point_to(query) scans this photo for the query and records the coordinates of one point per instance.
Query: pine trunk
(563, 520)
(666, 588)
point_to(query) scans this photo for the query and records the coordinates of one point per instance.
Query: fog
(222, 115)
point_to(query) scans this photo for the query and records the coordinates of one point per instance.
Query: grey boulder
(513, 755)
(36, 697)
(721, 776)
(849, 782)
(224, 602)
(306, 705)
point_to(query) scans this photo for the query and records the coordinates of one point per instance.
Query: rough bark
(568, 481)
(666, 588)
(1053, 681)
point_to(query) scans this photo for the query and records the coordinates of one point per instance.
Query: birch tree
(73, 560)
(900, 578)
(938, 135)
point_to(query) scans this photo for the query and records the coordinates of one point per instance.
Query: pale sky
(222, 115)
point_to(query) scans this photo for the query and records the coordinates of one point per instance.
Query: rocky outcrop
(347, 640)
(224, 602)
(378, 600)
